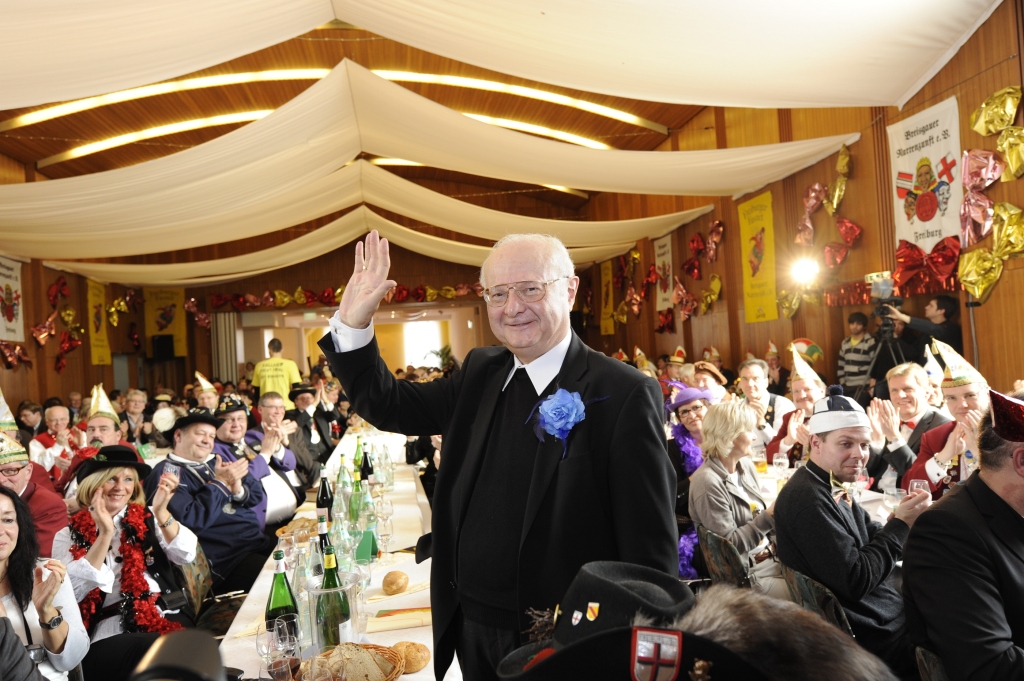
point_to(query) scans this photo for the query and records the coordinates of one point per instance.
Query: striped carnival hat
(958, 371)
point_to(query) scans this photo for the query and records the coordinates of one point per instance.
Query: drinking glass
(781, 465)
(286, 543)
(920, 485)
(288, 626)
(364, 569)
(266, 639)
(893, 497)
(301, 537)
(385, 528)
(760, 461)
(285, 663)
(385, 509)
(172, 469)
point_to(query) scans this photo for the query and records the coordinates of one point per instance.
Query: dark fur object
(542, 627)
(780, 638)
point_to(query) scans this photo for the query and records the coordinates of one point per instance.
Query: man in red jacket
(48, 511)
(949, 453)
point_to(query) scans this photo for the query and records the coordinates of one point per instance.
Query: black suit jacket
(610, 498)
(963, 583)
(902, 458)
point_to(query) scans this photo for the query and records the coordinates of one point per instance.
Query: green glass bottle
(355, 502)
(343, 485)
(333, 614)
(281, 600)
(357, 458)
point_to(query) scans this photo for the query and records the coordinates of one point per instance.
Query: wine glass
(266, 639)
(385, 528)
(385, 509)
(286, 543)
(893, 497)
(288, 626)
(920, 485)
(286, 659)
(781, 465)
(301, 537)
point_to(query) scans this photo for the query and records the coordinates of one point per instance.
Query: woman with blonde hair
(725, 496)
(119, 555)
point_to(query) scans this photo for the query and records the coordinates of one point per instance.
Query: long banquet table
(411, 520)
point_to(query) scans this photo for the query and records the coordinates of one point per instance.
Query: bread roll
(416, 655)
(395, 582)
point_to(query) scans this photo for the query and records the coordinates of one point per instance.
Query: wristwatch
(52, 624)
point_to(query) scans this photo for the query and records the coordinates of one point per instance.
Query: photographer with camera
(938, 325)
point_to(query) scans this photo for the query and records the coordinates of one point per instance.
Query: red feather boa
(138, 605)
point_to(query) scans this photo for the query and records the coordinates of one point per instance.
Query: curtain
(306, 247)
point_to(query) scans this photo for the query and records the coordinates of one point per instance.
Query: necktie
(909, 424)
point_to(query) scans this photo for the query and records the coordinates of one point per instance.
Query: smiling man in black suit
(514, 516)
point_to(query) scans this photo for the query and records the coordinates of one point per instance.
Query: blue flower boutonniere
(558, 415)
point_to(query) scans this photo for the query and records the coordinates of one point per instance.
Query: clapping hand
(954, 446)
(62, 438)
(369, 283)
(877, 438)
(759, 408)
(969, 428)
(45, 590)
(797, 430)
(100, 515)
(164, 491)
(231, 474)
(888, 418)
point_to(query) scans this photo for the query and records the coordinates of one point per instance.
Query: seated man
(902, 420)
(708, 377)
(278, 503)
(49, 514)
(53, 449)
(206, 395)
(973, 539)
(778, 375)
(949, 453)
(826, 535)
(792, 437)
(771, 409)
(311, 444)
(289, 438)
(216, 500)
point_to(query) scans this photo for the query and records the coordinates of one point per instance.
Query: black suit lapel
(549, 452)
(914, 441)
(497, 373)
(1005, 523)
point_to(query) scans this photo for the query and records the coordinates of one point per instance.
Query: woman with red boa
(119, 556)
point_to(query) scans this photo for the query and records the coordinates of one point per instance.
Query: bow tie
(908, 424)
(840, 490)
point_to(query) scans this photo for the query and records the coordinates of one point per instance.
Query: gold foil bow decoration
(281, 298)
(67, 315)
(44, 331)
(710, 294)
(1011, 145)
(115, 309)
(997, 112)
(843, 163)
(790, 301)
(431, 293)
(299, 296)
(621, 311)
(447, 292)
(338, 292)
(980, 269)
(836, 190)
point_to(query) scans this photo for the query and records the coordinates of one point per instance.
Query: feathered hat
(6, 416)
(99, 405)
(958, 370)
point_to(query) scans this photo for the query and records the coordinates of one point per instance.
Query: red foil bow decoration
(697, 245)
(134, 300)
(190, 305)
(715, 233)
(326, 296)
(203, 320)
(691, 268)
(848, 230)
(59, 364)
(651, 279)
(43, 332)
(917, 273)
(419, 294)
(311, 299)
(219, 300)
(666, 321)
(68, 343)
(632, 300)
(14, 354)
(463, 289)
(835, 254)
(238, 302)
(133, 336)
(266, 300)
(479, 288)
(853, 293)
(401, 293)
(813, 197)
(57, 290)
(980, 169)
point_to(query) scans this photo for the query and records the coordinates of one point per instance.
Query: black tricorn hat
(194, 415)
(594, 636)
(112, 456)
(301, 389)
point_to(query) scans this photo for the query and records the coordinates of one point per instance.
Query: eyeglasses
(11, 472)
(694, 411)
(528, 291)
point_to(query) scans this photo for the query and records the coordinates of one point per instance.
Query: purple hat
(683, 394)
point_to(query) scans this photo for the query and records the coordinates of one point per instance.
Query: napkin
(407, 618)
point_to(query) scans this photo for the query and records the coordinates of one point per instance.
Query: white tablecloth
(409, 522)
(869, 501)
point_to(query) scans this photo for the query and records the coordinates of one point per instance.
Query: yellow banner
(165, 315)
(99, 345)
(757, 234)
(607, 300)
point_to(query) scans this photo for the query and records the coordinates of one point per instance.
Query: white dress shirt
(85, 578)
(47, 456)
(541, 370)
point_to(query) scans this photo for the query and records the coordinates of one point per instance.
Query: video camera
(881, 295)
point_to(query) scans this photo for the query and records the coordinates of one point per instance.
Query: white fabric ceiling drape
(747, 53)
(268, 170)
(306, 247)
(56, 50)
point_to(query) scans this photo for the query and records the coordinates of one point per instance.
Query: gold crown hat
(772, 351)
(639, 358)
(931, 367)
(620, 355)
(11, 450)
(99, 405)
(711, 353)
(959, 371)
(750, 355)
(678, 357)
(6, 415)
(204, 385)
(801, 369)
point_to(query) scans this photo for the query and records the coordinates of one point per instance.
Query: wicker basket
(392, 656)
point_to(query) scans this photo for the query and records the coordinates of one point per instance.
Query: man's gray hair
(57, 406)
(559, 262)
(753, 363)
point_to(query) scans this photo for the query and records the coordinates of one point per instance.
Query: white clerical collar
(189, 462)
(543, 369)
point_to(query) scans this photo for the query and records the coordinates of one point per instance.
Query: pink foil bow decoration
(203, 320)
(697, 245)
(190, 305)
(251, 300)
(632, 299)
(715, 233)
(463, 289)
(678, 292)
(390, 295)
(666, 321)
(813, 196)
(980, 169)
(14, 354)
(835, 254)
(48, 328)
(479, 288)
(267, 300)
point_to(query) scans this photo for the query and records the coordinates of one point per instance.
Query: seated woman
(118, 549)
(689, 406)
(34, 596)
(725, 496)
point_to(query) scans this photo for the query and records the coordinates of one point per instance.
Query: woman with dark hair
(119, 555)
(688, 405)
(34, 595)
